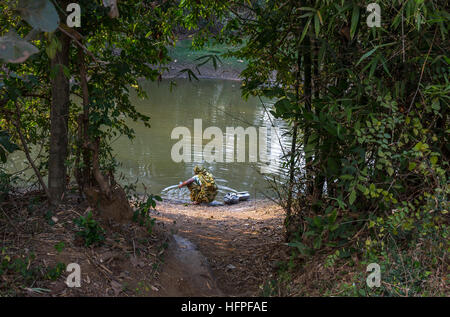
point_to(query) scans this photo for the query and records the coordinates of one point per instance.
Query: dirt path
(192, 251)
(242, 243)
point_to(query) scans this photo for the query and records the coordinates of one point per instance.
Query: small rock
(231, 267)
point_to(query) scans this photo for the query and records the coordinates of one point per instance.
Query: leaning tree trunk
(59, 114)
(106, 196)
(102, 192)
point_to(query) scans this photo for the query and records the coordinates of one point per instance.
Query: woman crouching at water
(202, 186)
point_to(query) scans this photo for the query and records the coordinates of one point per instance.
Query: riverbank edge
(222, 72)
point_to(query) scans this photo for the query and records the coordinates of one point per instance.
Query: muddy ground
(242, 243)
(191, 251)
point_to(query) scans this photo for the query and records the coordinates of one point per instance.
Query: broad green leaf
(14, 49)
(390, 171)
(433, 160)
(40, 14)
(352, 197)
(6, 146)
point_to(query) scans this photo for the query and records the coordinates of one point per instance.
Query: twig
(9, 219)
(27, 154)
(82, 46)
(421, 73)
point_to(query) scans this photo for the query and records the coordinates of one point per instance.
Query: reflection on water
(219, 104)
(182, 194)
(147, 158)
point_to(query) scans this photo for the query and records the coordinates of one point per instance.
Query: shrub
(141, 214)
(92, 232)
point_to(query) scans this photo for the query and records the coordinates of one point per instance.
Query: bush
(91, 231)
(141, 214)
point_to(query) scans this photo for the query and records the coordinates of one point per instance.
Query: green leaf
(333, 216)
(189, 72)
(355, 20)
(317, 221)
(6, 145)
(352, 197)
(14, 49)
(40, 14)
(317, 242)
(436, 105)
(305, 30)
(66, 71)
(317, 24)
(390, 171)
(367, 54)
(308, 9)
(303, 249)
(433, 160)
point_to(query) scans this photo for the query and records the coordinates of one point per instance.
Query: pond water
(146, 161)
(217, 103)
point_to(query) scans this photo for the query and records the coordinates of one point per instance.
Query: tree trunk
(319, 181)
(293, 153)
(59, 114)
(102, 192)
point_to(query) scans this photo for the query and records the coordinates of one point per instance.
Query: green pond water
(147, 161)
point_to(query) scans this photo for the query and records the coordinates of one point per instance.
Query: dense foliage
(369, 110)
(108, 54)
(368, 166)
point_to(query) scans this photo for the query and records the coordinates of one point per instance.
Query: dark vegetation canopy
(367, 106)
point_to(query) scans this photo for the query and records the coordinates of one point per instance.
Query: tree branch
(27, 153)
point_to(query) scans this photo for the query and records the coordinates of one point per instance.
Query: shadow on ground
(242, 243)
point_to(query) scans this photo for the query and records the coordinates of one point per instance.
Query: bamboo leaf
(316, 25)
(366, 55)
(355, 20)
(305, 30)
(369, 53)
